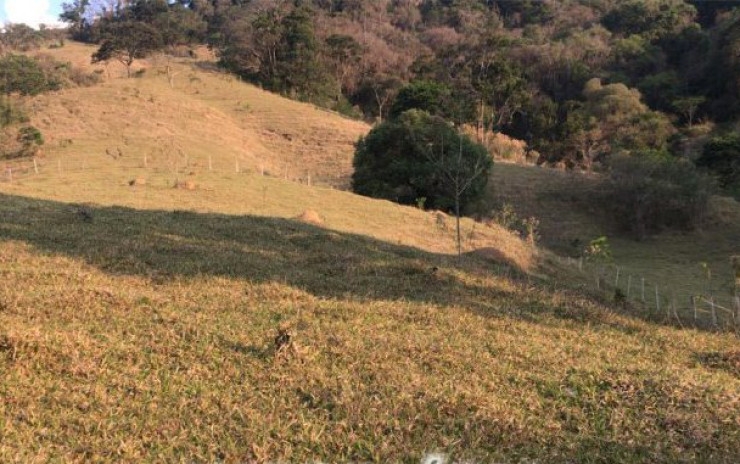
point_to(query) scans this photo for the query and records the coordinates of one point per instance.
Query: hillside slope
(140, 322)
(676, 261)
(135, 335)
(204, 113)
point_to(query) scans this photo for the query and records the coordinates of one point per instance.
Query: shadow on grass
(166, 245)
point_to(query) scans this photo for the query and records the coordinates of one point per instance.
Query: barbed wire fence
(709, 310)
(175, 164)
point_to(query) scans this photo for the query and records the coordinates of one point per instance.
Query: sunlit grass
(138, 324)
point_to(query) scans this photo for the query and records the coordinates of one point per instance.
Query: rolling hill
(160, 303)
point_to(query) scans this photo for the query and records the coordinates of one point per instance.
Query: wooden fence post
(714, 311)
(616, 281)
(696, 311)
(629, 286)
(10, 175)
(236, 164)
(643, 289)
(210, 163)
(35, 166)
(657, 299)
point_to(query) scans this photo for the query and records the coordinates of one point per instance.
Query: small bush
(11, 114)
(23, 75)
(651, 192)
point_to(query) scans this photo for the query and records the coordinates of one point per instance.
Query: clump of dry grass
(186, 185)
(310, 217)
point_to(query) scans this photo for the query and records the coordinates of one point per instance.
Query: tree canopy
(418, 155)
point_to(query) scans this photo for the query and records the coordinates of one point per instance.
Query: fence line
(700, 310)
(12, 171)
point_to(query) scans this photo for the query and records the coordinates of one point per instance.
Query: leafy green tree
(688, 106)
(31, 140)
(404, 159)
(722, 156)
(524, 12)
(298, 57)
(74, 13)
(375, 92)
(500, 90)
(10, 114)
(661, 90)
(343, 52)
(20, 37)
(399, 160)
(721, 78)
(429, 96)
(649, 192)
(611, 119)
(650, 18)
(127, 41)
(418, 155)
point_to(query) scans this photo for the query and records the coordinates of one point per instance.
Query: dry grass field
(205, 113)
(246, 318)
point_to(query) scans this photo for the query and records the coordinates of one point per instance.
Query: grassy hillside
(672, 260)
(205, 113)
(148, 335)
(147, 323)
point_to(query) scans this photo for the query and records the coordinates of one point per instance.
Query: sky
(31, 12)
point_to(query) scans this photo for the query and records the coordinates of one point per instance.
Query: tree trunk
(457, 224)
(481, 117)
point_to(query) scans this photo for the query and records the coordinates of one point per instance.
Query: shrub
(23, 75)
(722, 156)
(650, 192)
(64, 74)
(30, 139)
(419, 156)
(19, 142)
(10, 114)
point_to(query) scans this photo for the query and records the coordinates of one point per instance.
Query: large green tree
(610, 119)
(721, 155)
(127, 41)
(411, 157)
(418, 157)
